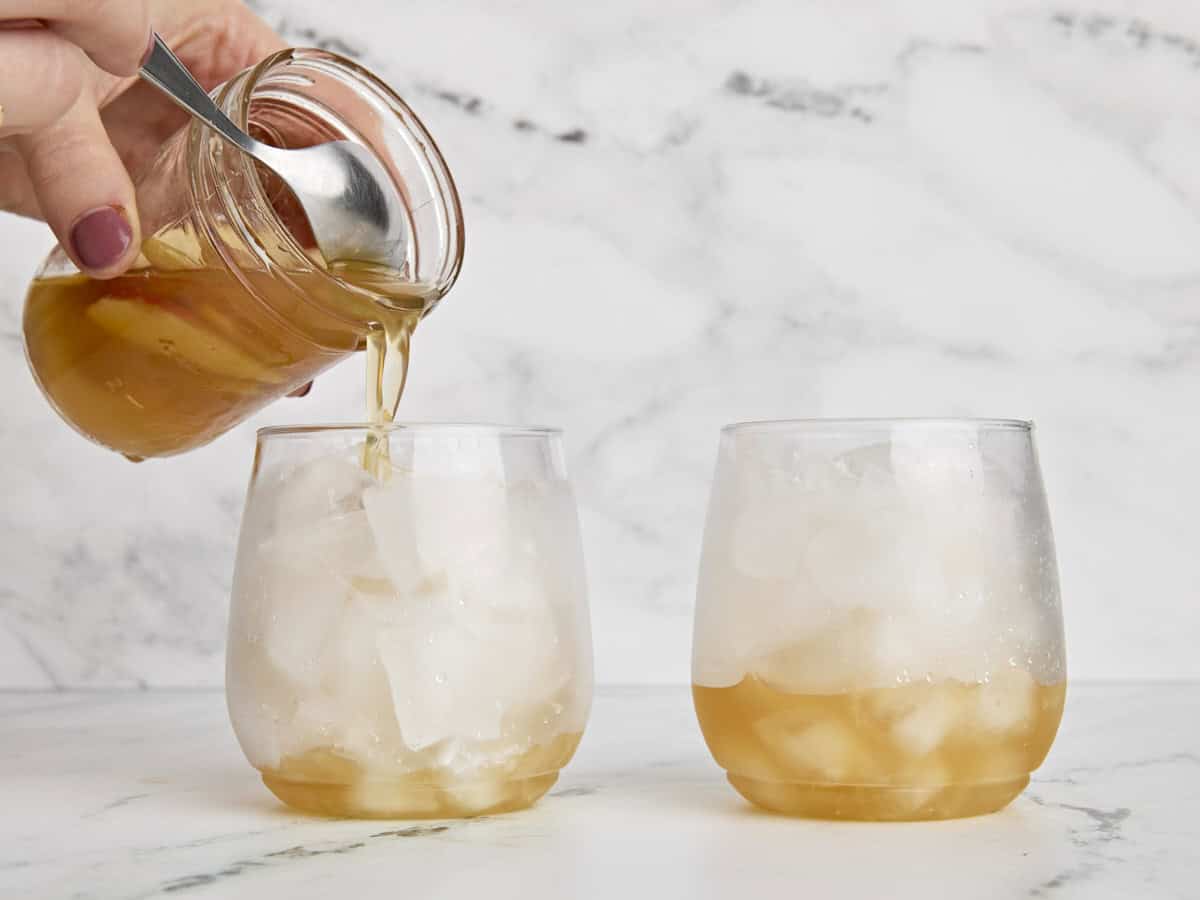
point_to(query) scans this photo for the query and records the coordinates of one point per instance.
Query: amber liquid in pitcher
(173, 353)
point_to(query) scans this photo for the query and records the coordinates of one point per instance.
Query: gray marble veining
(145, 794)
(687, 214)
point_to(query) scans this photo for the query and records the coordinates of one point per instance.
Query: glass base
(879, 804)
(384, 799)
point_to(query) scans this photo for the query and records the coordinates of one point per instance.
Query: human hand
(75, 120)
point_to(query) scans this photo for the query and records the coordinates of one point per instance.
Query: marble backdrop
(689, 212)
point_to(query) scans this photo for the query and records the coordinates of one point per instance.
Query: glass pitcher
(229, 305)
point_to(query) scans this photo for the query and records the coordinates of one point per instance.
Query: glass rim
(868, 424)
(488, 429)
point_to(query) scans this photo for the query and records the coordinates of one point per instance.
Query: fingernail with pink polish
(101, 237)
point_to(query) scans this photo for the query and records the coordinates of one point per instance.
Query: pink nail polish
(101, 237)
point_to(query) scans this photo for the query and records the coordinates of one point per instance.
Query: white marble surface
(134, 795)
(686, 213)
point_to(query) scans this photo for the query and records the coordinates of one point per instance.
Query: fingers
(114, 33)
(82, 190)
(77, 181)
(41, 77)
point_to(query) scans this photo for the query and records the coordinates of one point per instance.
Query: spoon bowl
(352, 203)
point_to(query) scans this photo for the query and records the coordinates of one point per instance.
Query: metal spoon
(350, 199)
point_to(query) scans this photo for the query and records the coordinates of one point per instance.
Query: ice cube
(921, 731)
(405, 615)
(473, 798)
(394, 526)
(742, 753)
(847, 654)
(937, 463)
(890, 704)
(339, 546)
(428, 526)
(767, 527)
(350, 664)
(328, 485)
(728, 635)
(919, 788)
(295, 635)
(717, 670)
(544, 541)
(860, 559)
(316, 722)
(1005, 702)
(534, 730)
(253, 722)
(869, 463)
(346, 704)
(286, 621)
(824, 749)
(400, 798)
(764, 541)
(420, 662)
(458, 678)
(542, 518)
(462, 523)
(298, 583)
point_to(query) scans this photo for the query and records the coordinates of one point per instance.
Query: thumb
(83, 190)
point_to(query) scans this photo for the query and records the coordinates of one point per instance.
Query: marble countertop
(135, 795)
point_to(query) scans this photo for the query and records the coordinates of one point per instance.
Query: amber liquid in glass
(173, 353)
(928, 750)
(327, 782)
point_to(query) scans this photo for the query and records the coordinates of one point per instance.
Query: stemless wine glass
(878, 628)
(409, 631)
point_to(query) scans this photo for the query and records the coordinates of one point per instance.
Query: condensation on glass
(409, 640)
(878, 630)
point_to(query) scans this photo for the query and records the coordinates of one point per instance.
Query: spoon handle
(164, 70)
